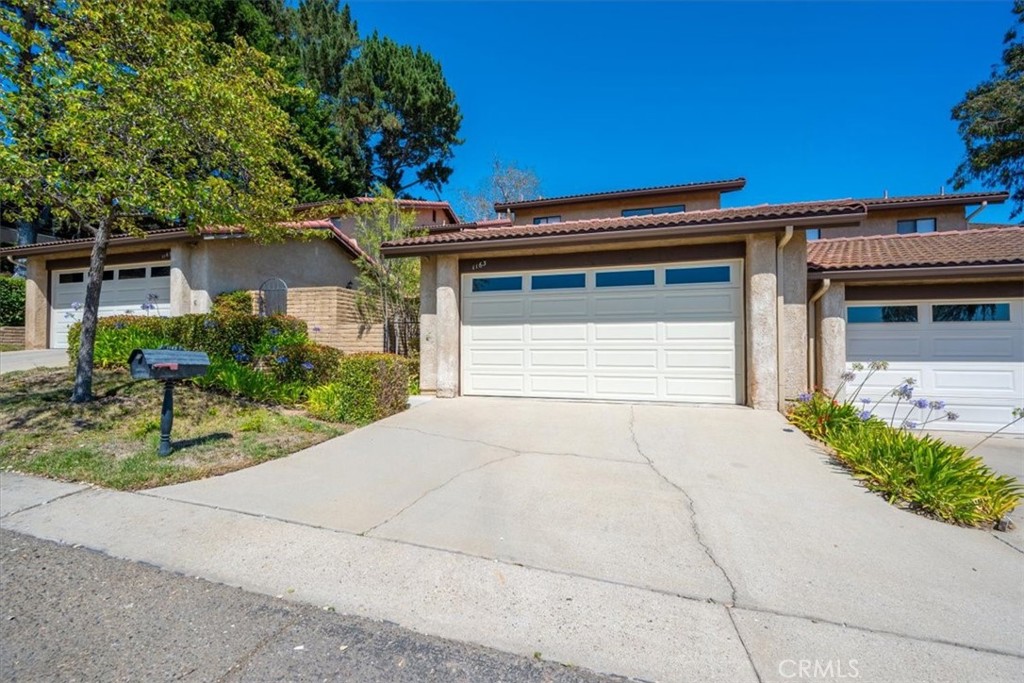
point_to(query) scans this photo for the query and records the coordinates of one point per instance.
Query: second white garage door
(669, 332)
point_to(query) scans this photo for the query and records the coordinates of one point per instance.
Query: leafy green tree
(388, 288)
(323, 40)
(261, 23)
(406, 114)
(139, 118)
(991, 122)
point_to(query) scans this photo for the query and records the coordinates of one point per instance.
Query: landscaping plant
(371, 386)
(12, 301)
(894, 458)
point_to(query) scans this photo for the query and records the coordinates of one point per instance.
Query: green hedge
(238, 302)
(371, 386)
(245, 338)
(12, 301)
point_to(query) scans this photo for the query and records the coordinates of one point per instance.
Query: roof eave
(918, 272)
(951, 200)
(723, 186)
(59, 246)
(636, 234)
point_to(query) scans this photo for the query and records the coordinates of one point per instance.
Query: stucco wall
(883, 221)
(612, 208)
(224, 265)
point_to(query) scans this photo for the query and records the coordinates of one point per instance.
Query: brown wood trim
(598, 259)
(112, 259)
(950, 291)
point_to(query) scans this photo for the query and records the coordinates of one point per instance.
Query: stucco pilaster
(762, 327)
(181, 290)
(200, 299)
(794, 316)
(832, 337)
(37, 304)
(428, 324)
(447, 321)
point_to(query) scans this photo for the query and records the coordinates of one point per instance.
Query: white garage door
(670, 332)
(969, 354)
(135, 289)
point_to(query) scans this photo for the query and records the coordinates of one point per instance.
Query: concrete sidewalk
(657, 542)
(12, 361)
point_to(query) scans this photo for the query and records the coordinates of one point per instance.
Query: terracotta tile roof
(724, 185)
(404, 203)
(473, 225)
(935, 199)
(952, 248)
(695, 219)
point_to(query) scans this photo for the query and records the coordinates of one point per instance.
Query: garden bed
(112, 441)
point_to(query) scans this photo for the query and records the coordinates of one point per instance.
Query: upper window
(814, 234)
(70, 278)
(915, 225)
(697, 276)
(512, 283)
(881, 314)
(625, 278)
(956, 313)
(650, 210)
(131, 273)
(160, 271)
(541, 220)
(559, 281)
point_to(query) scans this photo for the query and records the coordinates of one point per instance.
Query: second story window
(914, 225)
(542, 220)
(651, 210)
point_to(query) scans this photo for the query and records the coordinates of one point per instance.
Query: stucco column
(428, 324)
(37, 305)
(762, 328)
(181, 290)
(200, 299)
(794, 316)
(832, 337)
(447, 321)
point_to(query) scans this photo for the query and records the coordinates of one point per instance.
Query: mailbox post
(167, 365)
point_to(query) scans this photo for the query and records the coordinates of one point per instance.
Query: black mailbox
(167, 365)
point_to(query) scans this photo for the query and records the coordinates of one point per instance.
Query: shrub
(243, 380)
(238, 302)
(117, 336)
(309, 364)
(370, 386)
(12, 301)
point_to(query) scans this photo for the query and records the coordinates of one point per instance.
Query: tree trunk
(90, 316)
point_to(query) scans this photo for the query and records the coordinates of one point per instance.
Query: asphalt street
(70, 614)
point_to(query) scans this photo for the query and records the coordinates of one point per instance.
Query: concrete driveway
(12, 361)
(654, 541)
(723, 505)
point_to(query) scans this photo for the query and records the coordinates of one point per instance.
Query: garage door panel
(572, 359)
(645, 341)
(991, 346)
(894, 348)
(558, 385)
(975, 379)
(626, 358)
(495, 333)
(620, 332)
(559, 333)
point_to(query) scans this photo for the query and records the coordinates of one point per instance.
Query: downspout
(974, 213)
(812, 359)
(779, 314)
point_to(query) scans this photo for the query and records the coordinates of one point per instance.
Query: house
(177, 273)
(661, 294)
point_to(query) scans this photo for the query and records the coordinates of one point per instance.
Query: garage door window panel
(700, 275)
(626, 278)
(881, 314)
(498, 284)
(984, 312)
(131, 274)
(558, 281)
(70, 278)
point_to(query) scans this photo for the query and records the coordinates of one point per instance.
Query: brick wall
(12, 336)
(333, 310)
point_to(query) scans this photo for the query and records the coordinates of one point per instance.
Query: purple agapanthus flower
(306, 365)
(281, 360)
(952, 417)
(865, 401)
(848, 376)
(242, 357)
(274, 331)
(804, 397)
(865, 414)
(209, 323)
(76, 305)
(316, 328)
(153, 296)
(904, 391)
(910, 424)
(921, 403)
(937, 405)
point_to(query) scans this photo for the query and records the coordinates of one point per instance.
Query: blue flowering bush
(892, 456)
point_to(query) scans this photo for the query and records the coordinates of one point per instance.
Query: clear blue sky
(806, 100)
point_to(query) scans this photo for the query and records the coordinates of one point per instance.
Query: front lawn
(113, 440)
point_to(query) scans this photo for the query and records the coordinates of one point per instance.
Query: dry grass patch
(113, 440)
